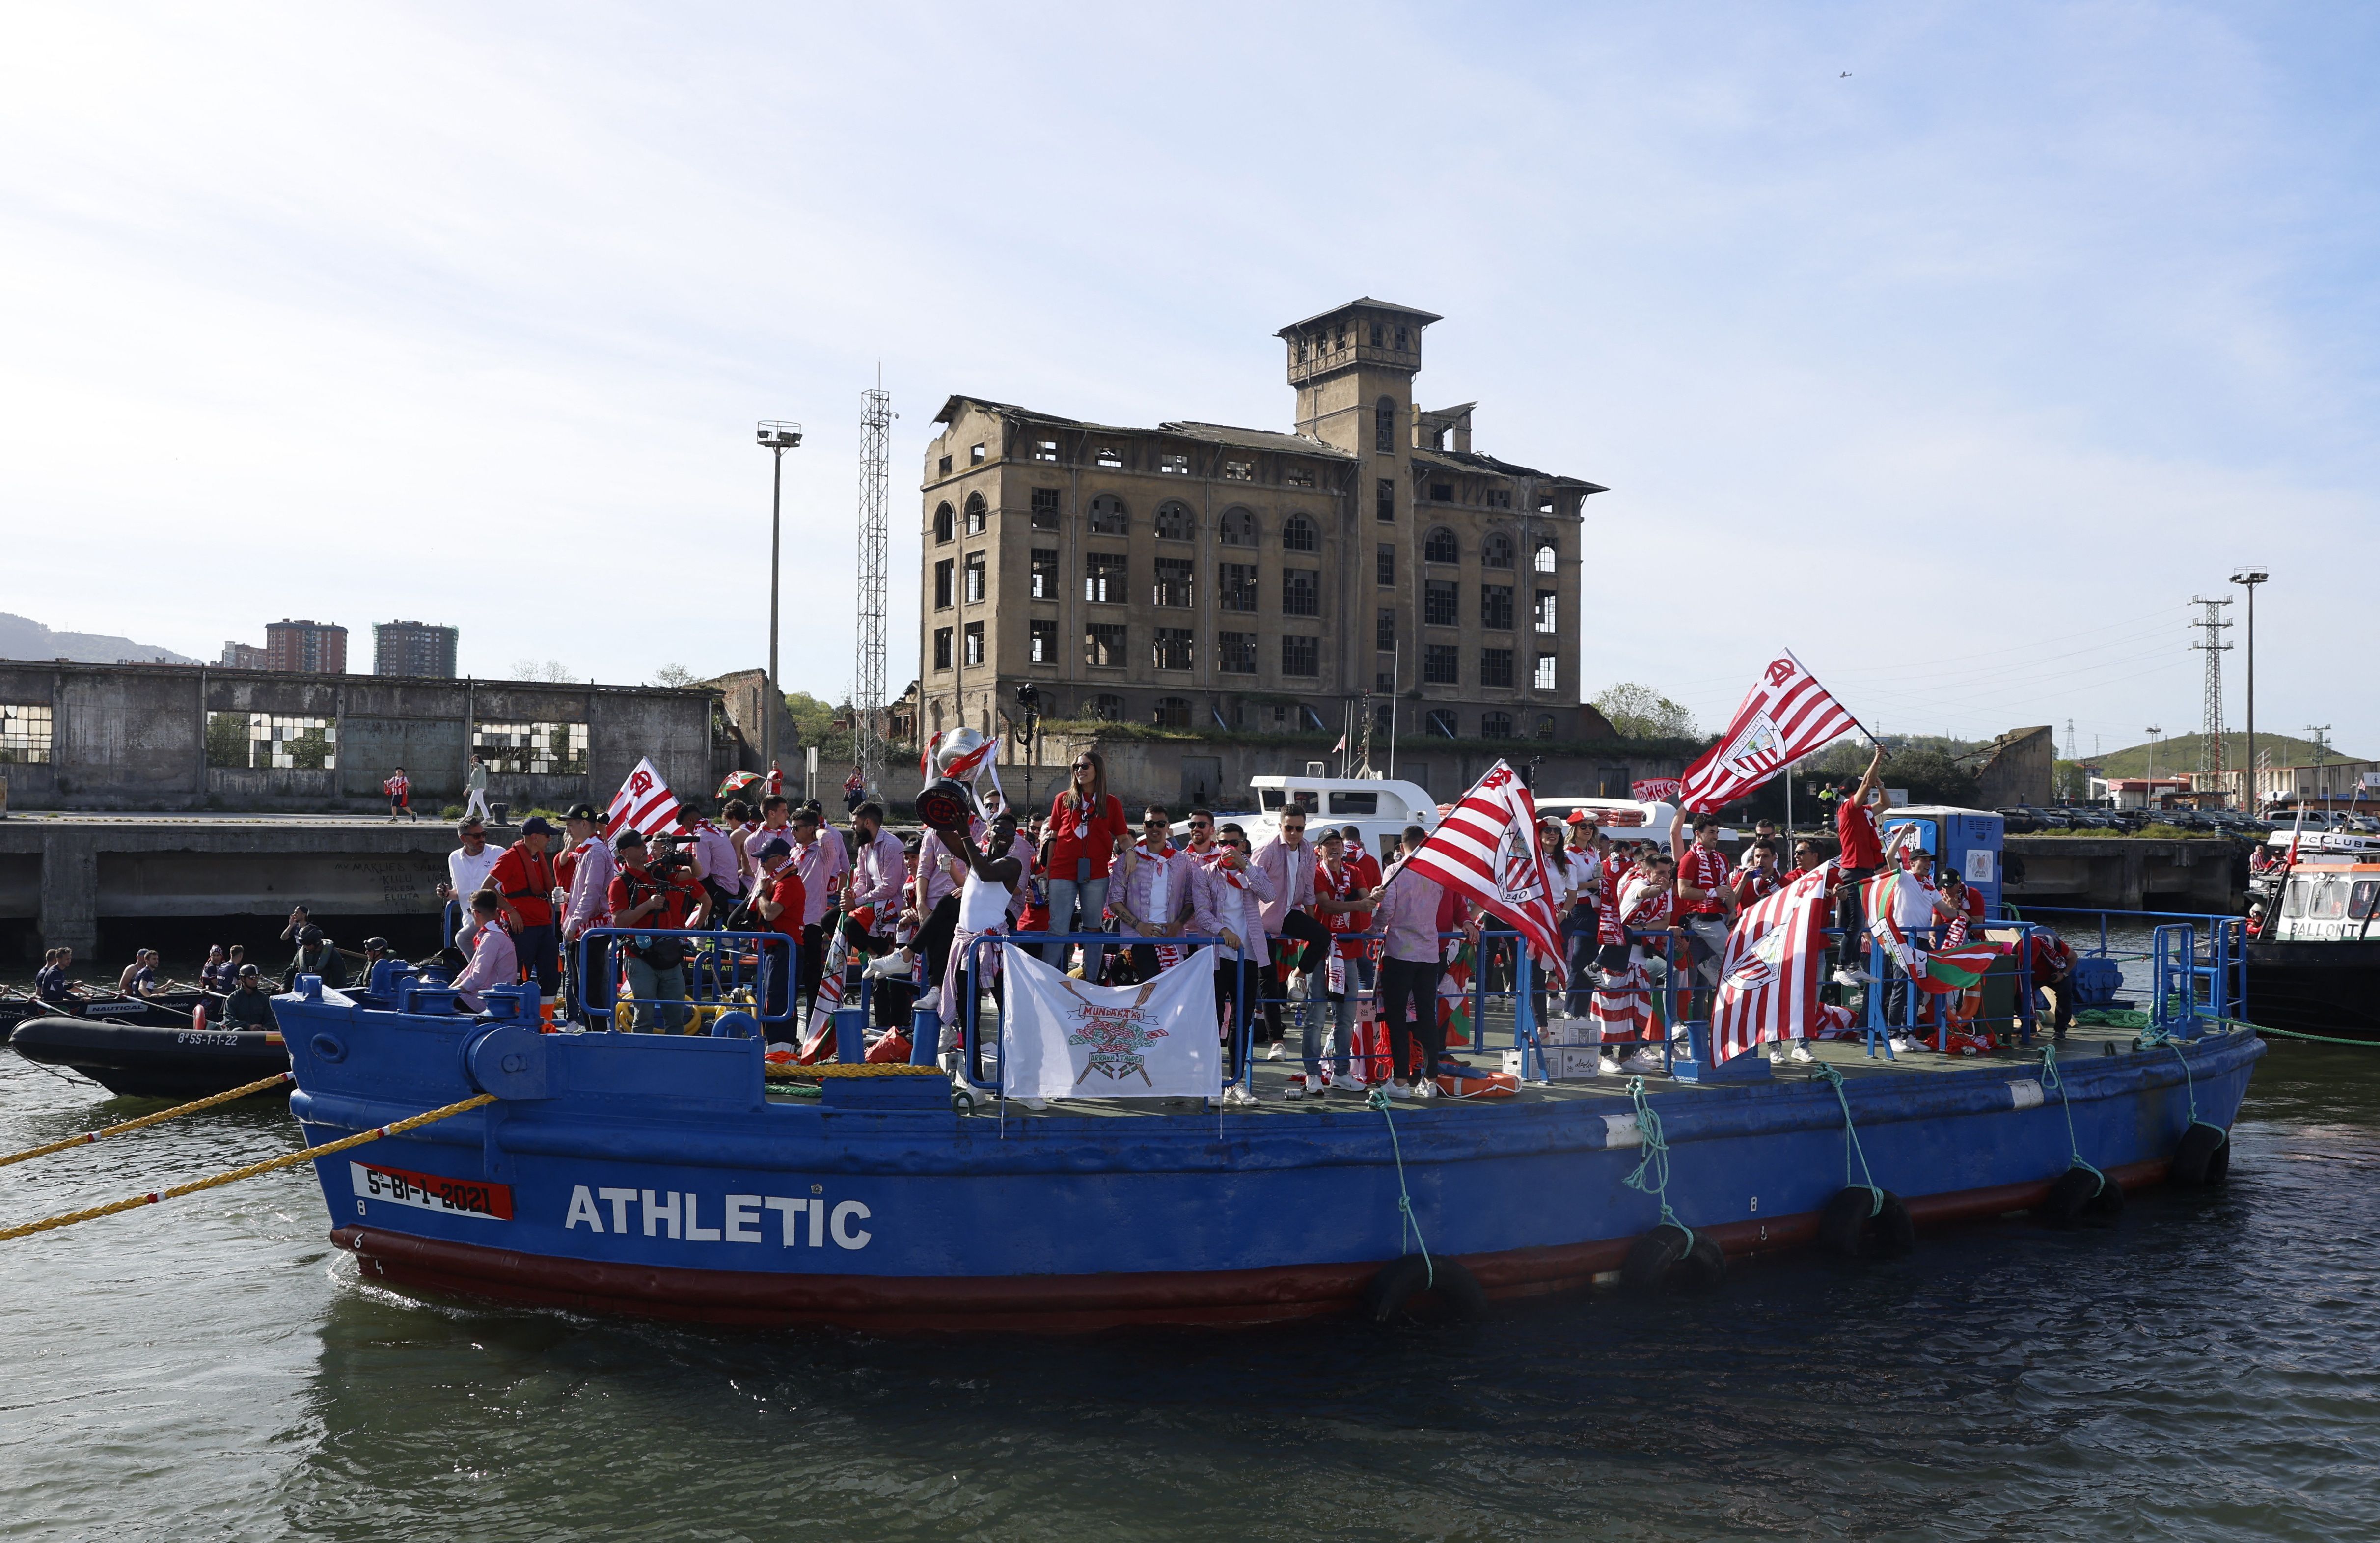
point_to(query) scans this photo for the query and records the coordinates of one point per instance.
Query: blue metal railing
(713, 969)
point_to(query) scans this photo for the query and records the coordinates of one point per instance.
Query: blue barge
(662, 1175)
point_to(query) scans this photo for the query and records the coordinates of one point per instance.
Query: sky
(1955, 347)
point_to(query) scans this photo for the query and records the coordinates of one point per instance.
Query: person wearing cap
(466, 874)
(585, 872)
(375, 950)
(667, 902)
(780, 903)
(316, 956)
(245, 1005)
(524, 882)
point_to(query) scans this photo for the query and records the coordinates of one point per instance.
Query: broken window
(1238, 528)
(1440, 722)
(1172, 649)
(975, 642)
(1109, 458)
(1107, 516)
(942, 571)
(1496, 551)
(945, 527)
(1548, 675)
(1547, 557)
(1384, 633)
(1301, 656)
(1044, 450)
(1041, 641)
(977, 516)
(1549, 611)
(25, 730)
(1103, 644)
(1045, 572)
(1300, 592)
(1239, 472)
(1495, 726)
(1297, 534)
(1175, 521)
(1439, 546)
(1235, 586)
(944, 469)
(1235, 653)
(1441, 664)
(537, 749)
(1173, 712)
(1384, 419)
(1441, 492)
(1441, 605)
(1103, 577)
(1495, 667)
(1045, 509)
(1298, 478)
(942, 648)
(1173, 466)
(1384, 501)
(975, 454)
(1496, 606)
(975, 579)
(1173, 581)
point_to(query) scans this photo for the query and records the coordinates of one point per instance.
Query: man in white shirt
(1918, 908)
(466, 875)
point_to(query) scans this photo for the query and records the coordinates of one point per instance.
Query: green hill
(2181, 754)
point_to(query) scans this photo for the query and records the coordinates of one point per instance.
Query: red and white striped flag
(644, 804)
(1486, 848)
(1768, 978)
(1783, 717)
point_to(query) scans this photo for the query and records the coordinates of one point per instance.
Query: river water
(212, 1368)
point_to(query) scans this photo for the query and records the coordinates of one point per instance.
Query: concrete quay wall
(134, 736)
(2128, 873)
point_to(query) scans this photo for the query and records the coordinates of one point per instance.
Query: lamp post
(2148, 794)
(776, 438)
(2250, 579)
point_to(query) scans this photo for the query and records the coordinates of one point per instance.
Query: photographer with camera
(661, 894)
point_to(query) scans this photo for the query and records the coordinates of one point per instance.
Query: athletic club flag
(644, 804)
(1486, 848)
(1769, 980)
(1786, 716)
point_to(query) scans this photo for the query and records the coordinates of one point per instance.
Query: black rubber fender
(2203, 1157)
(1403, 1284)
(1853, 1225)
(1670, 1260)
(2080, 1196)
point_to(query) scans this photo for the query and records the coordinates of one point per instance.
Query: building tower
(2210, 746)
(868, 683)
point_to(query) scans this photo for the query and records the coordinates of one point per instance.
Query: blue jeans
(1340, 1029)
(1064, 893)
(646, 984)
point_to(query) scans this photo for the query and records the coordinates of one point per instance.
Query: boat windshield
(1355, 803)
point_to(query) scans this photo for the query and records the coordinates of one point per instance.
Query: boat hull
(2317, 987)
(646, 1174)
(166, 1009)
(135, 1061)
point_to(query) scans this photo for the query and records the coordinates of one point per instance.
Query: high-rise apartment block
(1195, 575)
(413, 649)
(307, 648)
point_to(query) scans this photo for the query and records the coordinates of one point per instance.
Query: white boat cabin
(2328, 900)
(1376, 806)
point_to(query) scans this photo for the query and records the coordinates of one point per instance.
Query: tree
(1931, 777)
(673, 675)
(553, 670)
(1640, 713)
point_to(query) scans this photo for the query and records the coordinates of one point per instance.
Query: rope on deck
(1379, 1099)
(289, 1159)
(852, 1069)
(1651, 1175)
(258, 1086)
(1851, 1143)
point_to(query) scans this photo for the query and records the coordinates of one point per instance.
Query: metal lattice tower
(875, 529)
(2210, 744)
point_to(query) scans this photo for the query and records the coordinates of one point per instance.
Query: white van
(1376, 806)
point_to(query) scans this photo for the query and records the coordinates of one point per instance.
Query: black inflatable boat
(153, 1061)
(166, 1010)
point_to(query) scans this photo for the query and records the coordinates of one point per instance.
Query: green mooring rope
(1655, 1161)
(1379, 1101)
(2052, 1078)
(1851, 1143)
(2150, 1038)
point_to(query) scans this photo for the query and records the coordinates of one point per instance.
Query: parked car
(2017, 822)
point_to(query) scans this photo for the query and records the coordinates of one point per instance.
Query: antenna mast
(875, 527)
(2210, 744)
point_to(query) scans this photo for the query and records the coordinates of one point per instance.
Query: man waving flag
(1786, 715)
(1486, 849)
(644, 804)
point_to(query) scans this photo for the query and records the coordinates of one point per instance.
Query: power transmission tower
(2210, 744)
(875, 531)
(2321, 732)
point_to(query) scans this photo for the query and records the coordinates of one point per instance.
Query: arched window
(1107, 516)
(1175, 521)
(1545, 725)
(1297, 534)
(1238, 528)
(1495, 726)
(1173, 712)
(1439, 547)
(1547, 557)
(1496, 551)
(975, 515)
(1384, 423)
(1107, 709)
(943, 524)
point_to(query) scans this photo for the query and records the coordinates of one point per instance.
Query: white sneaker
(1035, 1103)
(1604, 1066)
(1238, 1096)
(1400, 1089)
(885, 966)
(1902, 1046)
(1647, 1060)
(1848, 977)
(928, 1002)
(1801, 1053)
(1428, 1087)
(1273, 1051)
(1777, 1055)
(1297, 988)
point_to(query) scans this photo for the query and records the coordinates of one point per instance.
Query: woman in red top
(1086, 832)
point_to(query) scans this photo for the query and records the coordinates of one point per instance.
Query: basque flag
(1486, 848)
(1784, 717)
(644, 804)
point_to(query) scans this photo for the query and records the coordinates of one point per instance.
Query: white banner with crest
(1061, 1039)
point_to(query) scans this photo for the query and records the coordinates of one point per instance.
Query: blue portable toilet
(1964, 842)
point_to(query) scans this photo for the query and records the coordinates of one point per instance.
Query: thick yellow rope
(852, 1069)
(288, 1160)
(88, 1137)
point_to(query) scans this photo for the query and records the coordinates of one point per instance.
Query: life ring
(2204, 1156)
(1668, 1258)
(2079, 1195)
(735, 1026)
(1451, 1290)
(1853, 1226)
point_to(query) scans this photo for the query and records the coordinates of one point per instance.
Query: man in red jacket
(525, 883)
